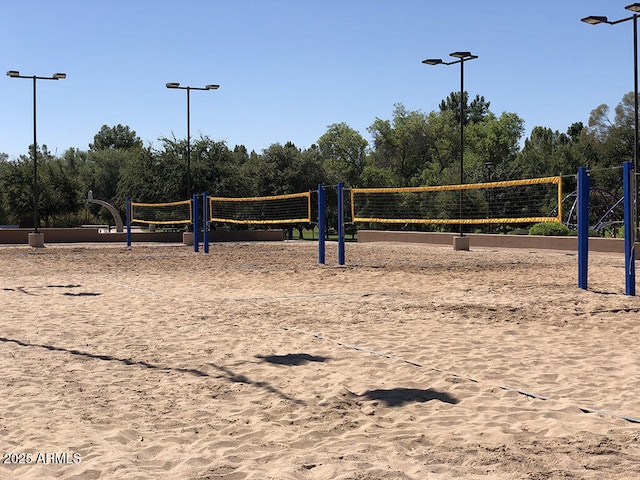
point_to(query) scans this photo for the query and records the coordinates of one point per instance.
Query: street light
(462, 57)
(596, 20)
(188, 89)
(55, 76)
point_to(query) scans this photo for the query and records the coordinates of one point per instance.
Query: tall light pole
(596, 20)
(188, 89)
(462, 57)
(56, 76)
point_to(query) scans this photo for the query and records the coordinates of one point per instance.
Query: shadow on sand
(398, 397)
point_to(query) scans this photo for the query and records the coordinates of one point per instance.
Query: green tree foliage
(16, 184)
(443, 130)
(401, 145)
(153, 177)
(118, 137)
(343, 152)
(411, 148)
(110, 155)
(59, 191)
(216, 169)
(473, 113)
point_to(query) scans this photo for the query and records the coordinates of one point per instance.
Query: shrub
(549, 229)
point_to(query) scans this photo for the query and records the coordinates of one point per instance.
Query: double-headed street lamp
(188, 89)
(56, 76)
(461, 58)
(595, 20)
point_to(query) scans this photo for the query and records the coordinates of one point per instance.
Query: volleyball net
(517, 201)
(162, 213)
(267, 210)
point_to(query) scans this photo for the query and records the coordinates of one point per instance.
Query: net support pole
(196, 225)
(340, 223)
(583, 227)
(205, 222)
(322, 224)
(128, 220)
(629, 230)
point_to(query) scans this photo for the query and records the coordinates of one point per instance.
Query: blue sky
(289, 68)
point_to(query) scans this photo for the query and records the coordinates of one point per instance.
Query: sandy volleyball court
(255, 362)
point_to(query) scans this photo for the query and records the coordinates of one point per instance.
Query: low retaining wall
(82, 235)
(596, 244)
(246, 236)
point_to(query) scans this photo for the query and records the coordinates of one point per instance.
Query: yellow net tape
(266, 210)
(170, 213)
(381, 201)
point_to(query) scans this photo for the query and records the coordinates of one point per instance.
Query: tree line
(410, 149)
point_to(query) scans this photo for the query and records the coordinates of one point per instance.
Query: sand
(255, 362)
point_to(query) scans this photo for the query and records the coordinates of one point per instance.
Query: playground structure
(606, 211)
(114, 213)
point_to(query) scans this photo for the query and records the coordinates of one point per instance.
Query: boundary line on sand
(435, 369)
(385, 355)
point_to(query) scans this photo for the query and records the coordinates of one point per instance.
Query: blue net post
(340, 223)
(629, 248)
(583, 227)
(196, 224)
(128, 220)
(205, 222)
(322, 223)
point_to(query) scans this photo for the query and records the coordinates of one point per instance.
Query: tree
(215, 169)
(59, 188)
(343, 151)
(599, 123)
(118, 137)
(283, 169)
(154, 177)
(492, 141)
(624, 111)
(443, 131)
(402, 145)
(16, 182)
(60, 192)
(473, 113)
(611, 143)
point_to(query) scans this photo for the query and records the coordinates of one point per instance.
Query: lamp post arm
(615, 22)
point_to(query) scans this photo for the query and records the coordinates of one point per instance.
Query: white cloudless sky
(289, 68)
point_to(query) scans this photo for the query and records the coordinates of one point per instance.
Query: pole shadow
(226, 374)
(107, 358)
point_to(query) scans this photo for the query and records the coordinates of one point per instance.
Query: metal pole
(128, 215)
(205, 221)
(583, 227)
(196, 225)
(635, 89)
(340, 223)
(629, 246)
(188, 143)
(635, 119)
(461, 138)
(36, 219)
(322, 215)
